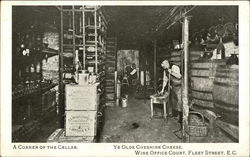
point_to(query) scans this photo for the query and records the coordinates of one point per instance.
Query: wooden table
(159, 99)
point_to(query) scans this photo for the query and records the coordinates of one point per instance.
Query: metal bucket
(124, 102)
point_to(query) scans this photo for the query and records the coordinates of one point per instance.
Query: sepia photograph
(144, 78)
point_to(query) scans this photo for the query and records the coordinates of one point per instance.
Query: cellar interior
(125, 74)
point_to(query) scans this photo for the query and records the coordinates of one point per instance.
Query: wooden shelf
(70, 36)
(71, 45)
(25, 91)
(50, 51)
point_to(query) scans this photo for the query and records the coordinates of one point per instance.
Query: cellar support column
(185, 109)
(61, 86)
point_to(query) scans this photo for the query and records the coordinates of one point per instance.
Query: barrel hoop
(175, 55)
(193, 68)
(194, 56)
(202, 99)
(202, 76)
(226, 70)
(225, 84)
(221, 76)
(234, 109)
(219, 102)
(202, 91)
(175, 62)
(171, 60)
(175, 58)
(202, 106)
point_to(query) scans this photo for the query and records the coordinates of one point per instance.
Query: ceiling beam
(174, 15)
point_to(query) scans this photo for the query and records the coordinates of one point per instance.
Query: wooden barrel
(202, 76)
(175, 57)
(194, 55)
(226, 93)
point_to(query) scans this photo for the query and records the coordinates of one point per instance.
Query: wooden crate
(53, 138)
(58, 136)
(80, 123)
(81, 97)
(73, 139)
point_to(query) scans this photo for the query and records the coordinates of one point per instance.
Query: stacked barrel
(214, 86)
(202, 76)
(226, 93)
(175, 56)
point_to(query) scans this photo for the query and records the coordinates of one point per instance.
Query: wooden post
(61, 95)
(96, 43)
(74, 34)
(155, 81)
(185, 109)
(83, 38)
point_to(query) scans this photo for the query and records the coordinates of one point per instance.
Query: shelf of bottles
(83, 34)
(95, 26)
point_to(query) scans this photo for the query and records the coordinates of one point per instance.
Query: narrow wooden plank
(229, 128)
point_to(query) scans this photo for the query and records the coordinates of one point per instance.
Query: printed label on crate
(80, 123)
(81, 97)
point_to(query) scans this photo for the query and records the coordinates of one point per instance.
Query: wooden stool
(159, 100)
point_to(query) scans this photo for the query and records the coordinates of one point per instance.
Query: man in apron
(173, 74)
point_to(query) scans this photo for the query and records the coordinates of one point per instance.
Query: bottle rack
(83, 29)
(82, 47)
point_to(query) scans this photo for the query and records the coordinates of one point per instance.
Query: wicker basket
(197, 126)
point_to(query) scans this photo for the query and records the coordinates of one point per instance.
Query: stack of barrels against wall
(213, 74)
(214, 84)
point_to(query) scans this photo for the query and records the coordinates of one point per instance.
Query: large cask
(194, 55)
(175, 57)
(202, 76)
(226, 93)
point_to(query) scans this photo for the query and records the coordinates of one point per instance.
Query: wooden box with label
(81, 97)
(58, 136)
(80, 123)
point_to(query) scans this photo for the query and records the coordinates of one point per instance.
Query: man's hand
(161, 92)
(170, 71)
